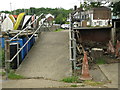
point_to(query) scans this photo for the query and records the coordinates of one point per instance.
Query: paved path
(111, 72)
(97, 74)
(41, 83)
(49, 57)
(33, 83)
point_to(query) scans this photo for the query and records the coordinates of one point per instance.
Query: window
(94, 23)
(100, 22)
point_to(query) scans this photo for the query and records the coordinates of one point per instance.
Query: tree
(60, 19)
(7, 12)
(89, 5)
(32, 10)
(116, 8)
(95, 4)
(59, 13)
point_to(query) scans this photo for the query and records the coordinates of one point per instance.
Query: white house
(99, 16)
(49, 20)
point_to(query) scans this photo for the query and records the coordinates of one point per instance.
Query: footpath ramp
(111, 72)
(48, 58)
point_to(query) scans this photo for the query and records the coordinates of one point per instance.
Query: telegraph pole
(11, 7)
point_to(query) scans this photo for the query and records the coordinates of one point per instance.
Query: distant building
(49, 20)
(77, 17)
(99, 16)
(2, 17)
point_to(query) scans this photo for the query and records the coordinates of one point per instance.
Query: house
(49, 20)
(98, 16)
(2, 17)
(77, 16)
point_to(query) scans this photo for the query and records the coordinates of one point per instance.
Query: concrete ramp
(48, 58)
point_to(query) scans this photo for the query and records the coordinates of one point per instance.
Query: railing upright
(72, 44)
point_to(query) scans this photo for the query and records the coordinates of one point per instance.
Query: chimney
(75, 7)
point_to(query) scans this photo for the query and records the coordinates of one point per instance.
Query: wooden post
(7, 57)
(113, 34)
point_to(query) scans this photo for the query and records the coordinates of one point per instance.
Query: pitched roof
(49, 15)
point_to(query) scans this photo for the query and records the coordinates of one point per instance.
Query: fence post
(7, 57)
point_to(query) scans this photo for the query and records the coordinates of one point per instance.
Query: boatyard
(38, 51)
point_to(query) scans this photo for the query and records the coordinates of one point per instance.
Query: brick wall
(101, 13)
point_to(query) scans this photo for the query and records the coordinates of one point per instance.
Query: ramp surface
(48, 58)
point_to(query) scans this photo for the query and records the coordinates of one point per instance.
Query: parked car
(65, 26)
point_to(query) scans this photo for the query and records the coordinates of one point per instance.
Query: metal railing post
(28, 43)
(17, 51)
(39, 32)
(72, 44)
(74, 55)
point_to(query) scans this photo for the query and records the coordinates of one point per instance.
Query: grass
(58, 30)
(72, 79)
(100, 61)
(12, 75)
(93, 83)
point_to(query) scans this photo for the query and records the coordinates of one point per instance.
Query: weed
(74, 86)
(12, 75)
(82, 85)
(100, 61)
(72, 79)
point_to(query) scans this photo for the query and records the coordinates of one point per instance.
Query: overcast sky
(15, 4)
